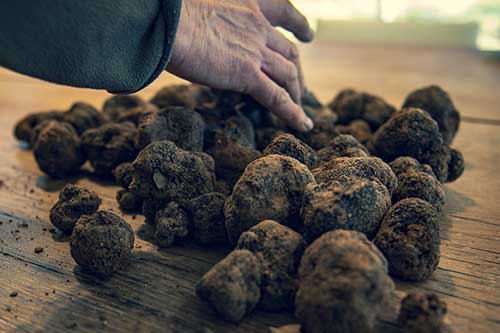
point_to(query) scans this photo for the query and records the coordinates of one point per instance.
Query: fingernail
(308, 124)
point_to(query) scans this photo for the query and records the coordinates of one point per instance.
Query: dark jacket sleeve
(119, 45)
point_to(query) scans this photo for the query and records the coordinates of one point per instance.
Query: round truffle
(128, 201)
(23, 130)
(116, 105)
(358, 128)
(422, 312)
(288, 145)
(279, 249)
(271, 188)
(415, 184)
(123, 174)
(409, 239)
(404, 164)
(344, 145)
(207, 215)
(74, 201)
(83, 116)
(57, 150)
(102, 242)
(172, 224)
(456, 166)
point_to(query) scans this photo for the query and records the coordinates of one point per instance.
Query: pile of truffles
(318, 221)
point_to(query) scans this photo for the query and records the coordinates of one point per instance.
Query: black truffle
(83, 116)
(288, 145)
(207, 215)
(74, 201)
(23, 130)
(116, 105)
(102, 242)
(422, 312)
(342, 146)
(172, 224)
(358, 128)
(456, 166)
(279, 250)
(123, 174)
(409, 239)
(232, 286)
(128, 201)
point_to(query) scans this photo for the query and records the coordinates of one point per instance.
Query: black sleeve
(119, 45)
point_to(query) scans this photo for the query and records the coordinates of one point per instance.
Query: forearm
(120, 45)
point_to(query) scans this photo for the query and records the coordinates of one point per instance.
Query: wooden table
(157, 292)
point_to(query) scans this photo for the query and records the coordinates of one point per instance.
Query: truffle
(241, 129)
(102, 242)
(207, 215)
(416, 184)
(358, 128)
(346, 168)
(180, 125)
(438, 104)
(74, 201)
(409, 239)
(232, 286)
(310, 100)
(123, 174)
(172, 224)
(270, 188)
(23, 130)
(264, 136)
(404, 164)
(456, 166)
(324, 128)
(188, 96)
(358, 204)
(109, 146)
(128, 201)
(136, 114)
(422, 312)
(288, 145)
(343, 286)
(231, 158)
(164, 172)
(116, 105)
(409, 132)
(279, 249)
(342, 146)
(439, 161)
(57, 150)
(83, 116)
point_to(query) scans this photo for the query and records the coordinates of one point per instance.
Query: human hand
(233, 45)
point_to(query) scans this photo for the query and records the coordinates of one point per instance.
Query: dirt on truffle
(279, 249)
(102, 242)
(422, 312)
(271, 188)
(58, 150)
(232, 286)
(288, 145)
(409, 239)
(344, 284)
(109, 146)
(74, 202)
(344, 145)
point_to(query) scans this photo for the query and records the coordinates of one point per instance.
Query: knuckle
(293, 52)
(279, 98)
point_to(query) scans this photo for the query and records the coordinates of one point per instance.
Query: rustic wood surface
(156, 293)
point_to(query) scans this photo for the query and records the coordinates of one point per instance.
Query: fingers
(279, 43)
(283, 72)
(278, 101)
(282, 13)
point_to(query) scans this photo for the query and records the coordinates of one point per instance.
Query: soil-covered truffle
(109, 146)
(344, 284)
(289, 145)
(358, 204)
(123, 174)
(231, 158)
(350, 105)
(232, 286)
(439, 161)
(128, 201)
(324, 128)
(409, 239)
(83, 116)
(264, 136)
(416, 184)
(74, 201)
(310, 100)
(180, 125)
(207, 216)
(271, 188)
(279, 249)
(57, 150)
(102, 242)
(409, 132)
(241, 129)
(172, 224)
(438, 104)
(404, 164)
(358, 128)
(456, 166)
(184, 95)
(346, 168)
(136, 114)
(422, 312)
(116, 105)
(23, 130)
(162, 171)
(342, 146)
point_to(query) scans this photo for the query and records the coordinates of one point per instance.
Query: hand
(232, 44)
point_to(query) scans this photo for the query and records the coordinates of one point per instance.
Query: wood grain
(156, 293)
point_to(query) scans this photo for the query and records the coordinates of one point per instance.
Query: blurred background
(451, 23)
